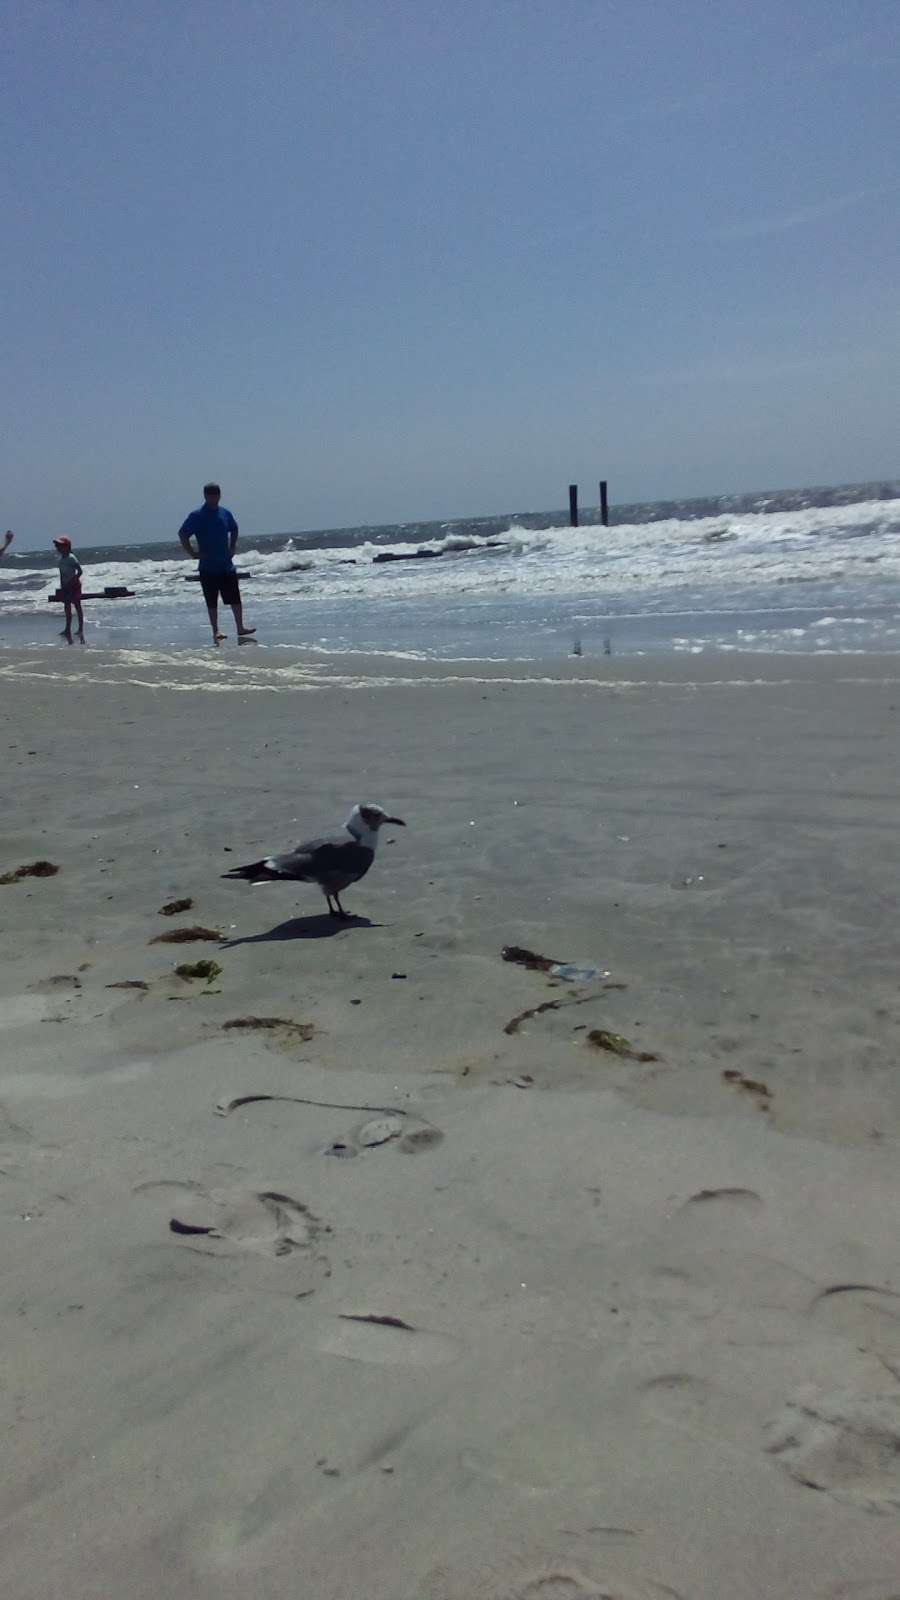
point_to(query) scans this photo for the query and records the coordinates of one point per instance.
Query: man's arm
(232, 546)
(184, 534)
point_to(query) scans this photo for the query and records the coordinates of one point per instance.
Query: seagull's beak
(397, 821)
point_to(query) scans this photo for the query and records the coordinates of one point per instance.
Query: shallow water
(811, 570)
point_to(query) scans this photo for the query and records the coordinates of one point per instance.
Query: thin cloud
(762, 227)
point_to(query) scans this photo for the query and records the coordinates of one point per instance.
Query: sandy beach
(397, 1295)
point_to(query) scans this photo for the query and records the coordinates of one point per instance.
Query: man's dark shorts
(225, 584)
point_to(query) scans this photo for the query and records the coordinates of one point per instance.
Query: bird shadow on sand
(323, 926)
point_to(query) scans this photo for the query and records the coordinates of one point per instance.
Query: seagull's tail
(256, 872)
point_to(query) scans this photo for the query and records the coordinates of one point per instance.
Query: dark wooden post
(573, 505)
(604, 504)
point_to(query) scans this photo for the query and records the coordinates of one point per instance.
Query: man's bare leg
(67, 630)
(242, 632)
(214, 621)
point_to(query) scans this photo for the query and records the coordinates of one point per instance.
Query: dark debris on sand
(618, 1045)
(303, 1030)
(35, 869)
(758, 1091)
(528, 958)
(199, 969)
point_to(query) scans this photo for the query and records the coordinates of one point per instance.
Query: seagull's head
(365, 821)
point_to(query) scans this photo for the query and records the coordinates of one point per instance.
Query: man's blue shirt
(212, 528)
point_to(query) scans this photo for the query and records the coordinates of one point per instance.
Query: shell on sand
(379, 1130)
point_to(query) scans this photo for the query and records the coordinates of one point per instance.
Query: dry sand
(584, 1326)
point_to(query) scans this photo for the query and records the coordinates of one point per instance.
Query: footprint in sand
(866, 1314)
(724, 1199)
(880, 1589)
(543, 1457)
(565, 1582)
(680, 1398)
(386, 1341)
(385, 1130)
(731, 1214)
(568, 1585)
(263, 1221)
(419, 1139)
(727, 1240)
(559, 1585)
(18, 1010)
(845, 1443)
(721, 1419)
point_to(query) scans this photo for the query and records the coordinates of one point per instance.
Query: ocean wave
(508, 578)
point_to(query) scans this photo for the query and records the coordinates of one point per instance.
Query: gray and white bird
(333, 863)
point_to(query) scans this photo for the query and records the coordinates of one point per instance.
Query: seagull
(332, 863)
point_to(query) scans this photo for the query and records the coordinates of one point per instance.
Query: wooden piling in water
(573, 505)
(604, 504)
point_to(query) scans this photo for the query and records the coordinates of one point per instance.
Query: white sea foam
(716, 553)
(523, 590)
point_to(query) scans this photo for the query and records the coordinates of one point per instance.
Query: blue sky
(377, 260)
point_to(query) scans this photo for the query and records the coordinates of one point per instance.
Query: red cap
(64, 539)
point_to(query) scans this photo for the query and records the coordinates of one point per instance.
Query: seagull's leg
(332, 911)
(340, 910)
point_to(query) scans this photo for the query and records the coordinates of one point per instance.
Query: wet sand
(461, 1312)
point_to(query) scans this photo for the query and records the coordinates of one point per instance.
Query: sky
(367, 261)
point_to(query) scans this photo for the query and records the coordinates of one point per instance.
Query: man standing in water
(216, 533)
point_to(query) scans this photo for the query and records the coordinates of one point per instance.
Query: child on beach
(70, 585)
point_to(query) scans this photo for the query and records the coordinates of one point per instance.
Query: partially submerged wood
(111, 592)
(194, 577)
(432, 555)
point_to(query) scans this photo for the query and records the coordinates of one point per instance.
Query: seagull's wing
(324, 860)
(333, 863)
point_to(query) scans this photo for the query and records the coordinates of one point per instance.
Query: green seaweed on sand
(190, 935)
(35, 869)
(199, 969)
(618, 1045)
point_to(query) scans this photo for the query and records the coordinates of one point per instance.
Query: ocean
(796, 570)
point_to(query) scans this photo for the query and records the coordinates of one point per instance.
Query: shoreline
(297, 668)
(583, 1322)
(496, 629)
